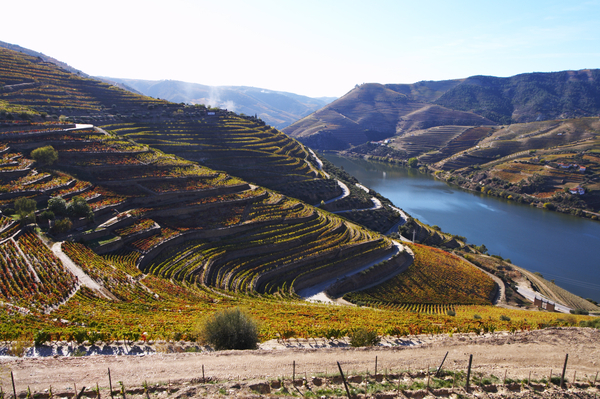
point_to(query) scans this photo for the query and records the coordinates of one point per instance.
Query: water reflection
(562, 246)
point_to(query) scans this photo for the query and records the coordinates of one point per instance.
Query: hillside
(155, 215)
(537, 162)
(374, 112)
(34, 87)
(277, 108)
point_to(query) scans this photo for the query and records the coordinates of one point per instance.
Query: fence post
(12, 377)
(110, 384)
(294, 372)
(562, 377)
(441, 364)
(344, 380)
(469, 373)
(375, 366)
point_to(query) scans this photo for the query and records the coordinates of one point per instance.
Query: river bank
(535, 239)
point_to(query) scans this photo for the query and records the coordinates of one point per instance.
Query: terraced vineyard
(435, 277)
(31, 276)
(157, 225)
(269, 243)
(421, 142)
(257, 153)
(242, 147)
(33, 83)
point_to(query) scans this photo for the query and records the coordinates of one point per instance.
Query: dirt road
(537, 352)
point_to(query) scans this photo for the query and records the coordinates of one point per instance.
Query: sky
(314, 48)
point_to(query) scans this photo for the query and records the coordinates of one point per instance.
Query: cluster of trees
(77, 207)
(58, 208)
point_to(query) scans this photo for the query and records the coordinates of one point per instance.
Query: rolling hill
(373, 112)
(277, 108)
(154, 214)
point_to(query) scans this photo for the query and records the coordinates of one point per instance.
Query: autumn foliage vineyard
(435, 277)
(182, 220)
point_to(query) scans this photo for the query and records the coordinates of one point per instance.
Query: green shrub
(80, 336)
(47, 215)
(80, 208)
(45, 155)
(57, 205)
(229, 329)
(580, 311)
(40, 337)
(451, 313)
(504, 318)
(363, 337)
(62, 226)
(25, 208)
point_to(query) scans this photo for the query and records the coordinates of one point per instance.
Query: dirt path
(317, 292)
(537, 352)
(500, 298)
(375, 201)
(345, 193)
(82, 277)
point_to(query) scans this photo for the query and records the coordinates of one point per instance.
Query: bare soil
(233, 372)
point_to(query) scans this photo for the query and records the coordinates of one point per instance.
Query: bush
(62, 226)
(504, 318)
(451, 313)
(229, 329)
(57, 205)
(363, 337)
(40, 337)
(580, 311)
(80, 208)
(25, 208)
(47, 215)
(45, 155)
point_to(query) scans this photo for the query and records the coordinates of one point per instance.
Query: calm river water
(561, 247)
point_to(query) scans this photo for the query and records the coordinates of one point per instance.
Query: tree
(230, 329)
(413, 163)
(80, 208)
(62, 225)
(47, 215)
(25, 208)
(45, 155)
(58, 206)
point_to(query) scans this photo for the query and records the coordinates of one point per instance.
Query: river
(563, 248)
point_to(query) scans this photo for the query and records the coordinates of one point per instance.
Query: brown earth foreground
(233, 372)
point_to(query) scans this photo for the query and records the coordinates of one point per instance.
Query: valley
(131, 219)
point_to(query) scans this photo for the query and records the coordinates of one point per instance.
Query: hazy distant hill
(277, 108)
(372, 112)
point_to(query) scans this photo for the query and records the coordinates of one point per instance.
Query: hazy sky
(314, 48)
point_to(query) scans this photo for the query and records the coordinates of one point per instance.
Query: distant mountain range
(277, 108)
(373, 112)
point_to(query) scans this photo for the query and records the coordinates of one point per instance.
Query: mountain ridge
(374, 111)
